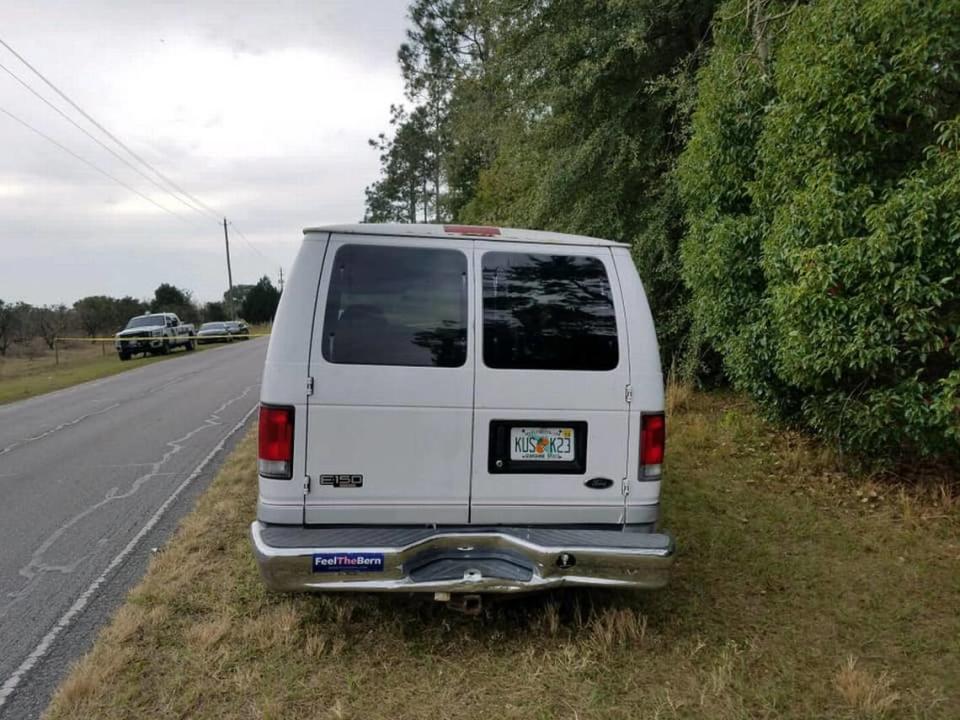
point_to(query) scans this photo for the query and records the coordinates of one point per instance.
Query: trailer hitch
(468, 604)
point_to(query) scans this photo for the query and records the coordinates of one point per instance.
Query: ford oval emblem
(599, 483)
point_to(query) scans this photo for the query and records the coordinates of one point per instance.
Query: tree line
(786, 172)
(97, 315)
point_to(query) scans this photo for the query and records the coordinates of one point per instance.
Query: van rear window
(547, 312)
(396, 306)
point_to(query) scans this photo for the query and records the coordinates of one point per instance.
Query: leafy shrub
(822, 191)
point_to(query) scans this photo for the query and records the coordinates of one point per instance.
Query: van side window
(396, 306)
(547, 312)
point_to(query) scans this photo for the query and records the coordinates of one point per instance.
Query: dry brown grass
(678, 394)
(782, 574)
(871, 695)
(208, 633)
(80, 687)
(618, 627)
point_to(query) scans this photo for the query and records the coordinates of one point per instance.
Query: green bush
(822, 192)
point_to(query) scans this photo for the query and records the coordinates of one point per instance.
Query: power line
(97, 140)
(90, 164)
(196, 204)
(251, 245)
(110, 135)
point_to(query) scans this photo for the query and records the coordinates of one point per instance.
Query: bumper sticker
(348, 562)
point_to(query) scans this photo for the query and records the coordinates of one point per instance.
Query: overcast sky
(262, 110)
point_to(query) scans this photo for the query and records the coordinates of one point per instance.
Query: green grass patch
(79, 361)
(22, 378)
(799, 592)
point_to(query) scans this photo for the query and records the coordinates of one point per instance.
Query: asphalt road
(92, 478)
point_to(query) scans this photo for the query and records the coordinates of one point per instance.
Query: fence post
(56, 351)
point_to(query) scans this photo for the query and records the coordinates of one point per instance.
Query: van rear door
(551, 415)
(389, 421)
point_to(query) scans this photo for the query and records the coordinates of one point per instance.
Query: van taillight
(652, 437)
(275, 459)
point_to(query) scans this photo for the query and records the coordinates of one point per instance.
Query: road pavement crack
(58, 428)
(34, 571)
(10, 684)
(123, 401)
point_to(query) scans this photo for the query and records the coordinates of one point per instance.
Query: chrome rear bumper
(457, 560)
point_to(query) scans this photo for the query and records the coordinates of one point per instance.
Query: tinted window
(146, 321)
(547, 312)
(396, 306)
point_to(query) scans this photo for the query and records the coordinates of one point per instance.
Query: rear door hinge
(625, 487)
(306, 484)
(628, 394)
(309, 386)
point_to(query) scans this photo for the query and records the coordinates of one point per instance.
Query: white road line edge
(10, 684)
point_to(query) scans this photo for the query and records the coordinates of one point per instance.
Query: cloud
(262, 110)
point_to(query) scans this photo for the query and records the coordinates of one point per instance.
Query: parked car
(460, 410)
(154, 333)
(214, 332)
(239, 329)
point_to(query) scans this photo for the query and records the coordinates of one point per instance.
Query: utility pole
(226, 240)
(281, 280)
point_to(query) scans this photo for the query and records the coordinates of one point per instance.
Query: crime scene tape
(161, 337)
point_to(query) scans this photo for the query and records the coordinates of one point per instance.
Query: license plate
(554, 444)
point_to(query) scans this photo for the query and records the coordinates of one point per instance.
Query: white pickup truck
(154, 333)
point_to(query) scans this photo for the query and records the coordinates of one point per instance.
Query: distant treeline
(787, 173)
(96, 315)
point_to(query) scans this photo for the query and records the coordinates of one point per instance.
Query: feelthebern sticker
(348, 562)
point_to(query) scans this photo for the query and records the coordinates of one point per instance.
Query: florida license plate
(555, 444)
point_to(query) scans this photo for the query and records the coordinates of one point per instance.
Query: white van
(460, 409)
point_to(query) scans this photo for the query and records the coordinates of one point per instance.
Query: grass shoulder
(799, 592)
(40, 371)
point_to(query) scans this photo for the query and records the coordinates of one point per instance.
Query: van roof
(484, 232)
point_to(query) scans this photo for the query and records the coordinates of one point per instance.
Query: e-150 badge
(342, 481)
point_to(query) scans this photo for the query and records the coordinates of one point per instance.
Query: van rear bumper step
(457, 560)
